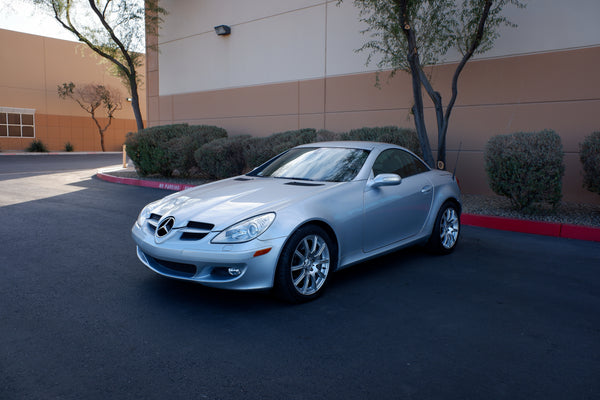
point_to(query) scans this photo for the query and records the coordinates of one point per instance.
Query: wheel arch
(455, 201)
(328, 229)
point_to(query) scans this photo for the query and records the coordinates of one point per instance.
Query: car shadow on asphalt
(179, 293)
(344, 284)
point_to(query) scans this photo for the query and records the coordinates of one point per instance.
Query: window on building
(17, 122)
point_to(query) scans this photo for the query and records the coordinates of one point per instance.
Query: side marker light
(262, 252)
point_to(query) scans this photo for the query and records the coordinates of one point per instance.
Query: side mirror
(385, 180)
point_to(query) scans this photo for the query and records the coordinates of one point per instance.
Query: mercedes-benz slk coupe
(293, 221)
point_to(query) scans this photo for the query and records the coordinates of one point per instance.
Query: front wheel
(305, 265)
(446, 230)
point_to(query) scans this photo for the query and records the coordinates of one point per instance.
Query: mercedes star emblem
(165, 227)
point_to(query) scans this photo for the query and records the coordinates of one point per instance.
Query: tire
(305, 265)
(446, 231)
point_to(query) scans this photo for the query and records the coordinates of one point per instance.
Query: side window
(396, 161)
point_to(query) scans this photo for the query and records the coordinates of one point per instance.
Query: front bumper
(209, 263)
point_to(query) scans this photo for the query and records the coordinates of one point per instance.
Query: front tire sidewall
(284, 286)
(435, 241)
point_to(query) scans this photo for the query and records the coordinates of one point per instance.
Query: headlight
(246, 230)
(145, 214)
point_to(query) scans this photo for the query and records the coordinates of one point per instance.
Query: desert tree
(94, 98)
(113, 29)
(411, 35)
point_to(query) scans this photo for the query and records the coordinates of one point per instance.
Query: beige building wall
(31, 69)
(529, 82)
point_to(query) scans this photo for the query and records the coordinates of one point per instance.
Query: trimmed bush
(387, 134)
(37, 146)
(223, 158)
(259, 150)
(229, 157)
(285, 140)
(589, 155)
(328, 136)
(181, 149)
(526, 167)
(169, 149)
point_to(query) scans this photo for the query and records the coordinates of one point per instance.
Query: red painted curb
(580, 232)
(139, 182)
(483, 221)
(534, 227)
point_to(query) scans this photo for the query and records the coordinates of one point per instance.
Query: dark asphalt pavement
(506, 316)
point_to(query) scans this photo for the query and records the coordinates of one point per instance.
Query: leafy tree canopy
(408, 35)
(113, 29)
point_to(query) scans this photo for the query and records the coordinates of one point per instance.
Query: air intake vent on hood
(304, 184)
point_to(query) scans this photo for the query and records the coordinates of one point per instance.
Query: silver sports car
(291, 222)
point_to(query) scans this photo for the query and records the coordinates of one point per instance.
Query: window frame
(8, 126)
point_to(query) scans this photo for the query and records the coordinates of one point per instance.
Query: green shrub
(283, 141)
(259, 150)
(69, 147)
(223, 158)
(328, 136)
(387, 134)
(37, 146)
(181, 149)
(526, 167)
(590, 158)
(147, 148)
(169, 149)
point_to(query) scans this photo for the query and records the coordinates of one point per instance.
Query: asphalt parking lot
(506, 316)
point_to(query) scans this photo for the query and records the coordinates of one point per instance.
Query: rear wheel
(305, 265)
(446, 230)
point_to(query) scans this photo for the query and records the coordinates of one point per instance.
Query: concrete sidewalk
(55, 153)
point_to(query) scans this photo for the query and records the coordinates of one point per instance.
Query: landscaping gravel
(565, 213)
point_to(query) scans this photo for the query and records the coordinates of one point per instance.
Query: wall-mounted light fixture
(129, 99)
(222, 30)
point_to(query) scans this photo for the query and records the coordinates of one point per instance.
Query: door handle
(426, 189)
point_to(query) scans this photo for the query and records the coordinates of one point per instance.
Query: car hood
(229, 201)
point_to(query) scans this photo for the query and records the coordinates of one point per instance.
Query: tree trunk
(419, 116)
(415, 68)
(135, 100)
(459, 68)
(135, 104)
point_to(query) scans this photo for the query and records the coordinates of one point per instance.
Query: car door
(397, 212)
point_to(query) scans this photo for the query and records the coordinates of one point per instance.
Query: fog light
(234, 271)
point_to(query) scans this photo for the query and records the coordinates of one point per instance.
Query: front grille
(155, 217)
(153, 221)
(196, 230)
(193, 235)
(192, 231)
(173, 268)
(200, 225)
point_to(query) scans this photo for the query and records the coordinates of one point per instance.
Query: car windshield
(331, 164)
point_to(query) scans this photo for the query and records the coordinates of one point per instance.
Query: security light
(222, 30)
